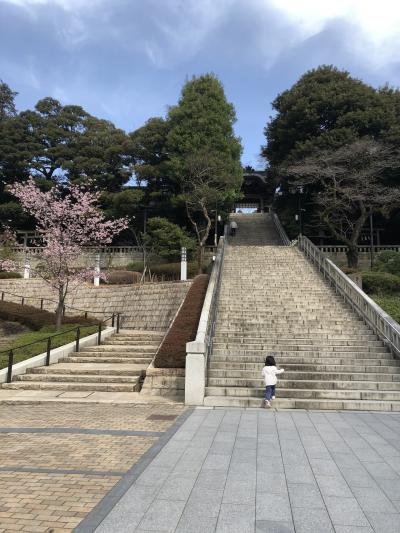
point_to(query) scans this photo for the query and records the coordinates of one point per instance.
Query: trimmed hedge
(380, 282)
(172, 352)
(35, 318)
(9, 275)
(389, 303)
(123, 277)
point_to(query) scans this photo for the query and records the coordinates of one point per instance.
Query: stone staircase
(118, 365)
(255, 229)
(273, 300)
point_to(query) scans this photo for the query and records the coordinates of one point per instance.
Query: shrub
(380, 282)
(123, 277)
(172, 352)
(388, 261)
(390, 304)
(9, 275)
(35, 318)
(166, 238)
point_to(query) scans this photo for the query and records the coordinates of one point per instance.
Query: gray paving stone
(274, 507)
(211, 479)
(381, 470)
(202, 524)
(323, 467)
(353, 529)
(162, 515)
(236, 519)
(384, 522)
(373, 500)
(345, 511)
(305, 495)
(312, 521)
(357, 477)
(274, 483)
(177, 488)
(391, 487)
(269, 526)
(246, 443)
(334, 486)
(239, 492)
(300, 474)
(216, 462)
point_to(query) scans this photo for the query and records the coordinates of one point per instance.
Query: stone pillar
(96, 280)
(183, 264)
(195, 374)
(27, 268)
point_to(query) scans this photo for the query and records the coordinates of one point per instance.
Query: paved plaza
(163, 468)
(57, 461)
(239, 471)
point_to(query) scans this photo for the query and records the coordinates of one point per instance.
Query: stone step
(110, 369)
(294, 348)
(373, 359)
(131, 348)
(106, 359)
(308, 404)
(259, 344)
(123, 342)
(307, 367)
(360, 394)
(248, 338)
(251, 379)
(72, 386)
(81, 378)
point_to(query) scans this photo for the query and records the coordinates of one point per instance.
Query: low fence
(381, 323)
(110, 256)
(366, 256)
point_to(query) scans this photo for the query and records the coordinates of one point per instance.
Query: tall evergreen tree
(204, 153)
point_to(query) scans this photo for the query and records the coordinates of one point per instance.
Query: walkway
(239, 471)
(57, 461)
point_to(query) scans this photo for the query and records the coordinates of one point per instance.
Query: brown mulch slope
(35, 318)
(172, 352)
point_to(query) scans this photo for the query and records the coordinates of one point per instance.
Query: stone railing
(280, 229)
(382, 324)
(335, 248)
(198, 351)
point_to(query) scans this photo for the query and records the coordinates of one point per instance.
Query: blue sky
(126, 60)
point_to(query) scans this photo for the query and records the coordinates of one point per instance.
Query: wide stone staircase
(117, 365)
(272, 299)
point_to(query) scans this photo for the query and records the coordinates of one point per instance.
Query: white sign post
(183, 264)
(27, 268)
(96, 279)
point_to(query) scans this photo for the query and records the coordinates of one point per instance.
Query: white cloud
(378, 21)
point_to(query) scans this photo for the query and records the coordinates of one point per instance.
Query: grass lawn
(389, 303)
(40, 339)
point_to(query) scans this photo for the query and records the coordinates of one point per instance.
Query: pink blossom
(69, 219)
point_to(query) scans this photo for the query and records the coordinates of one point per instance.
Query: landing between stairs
(112, 373)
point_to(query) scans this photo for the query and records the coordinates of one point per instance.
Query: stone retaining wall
(149, 306)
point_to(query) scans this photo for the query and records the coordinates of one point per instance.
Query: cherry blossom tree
(69, 219)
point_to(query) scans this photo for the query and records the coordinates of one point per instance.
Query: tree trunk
(352, 256)
(200, 259)
(60, 308)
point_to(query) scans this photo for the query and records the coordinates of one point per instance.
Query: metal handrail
(115, 322)
(280, 229)
(380, 322)
(42, 300)
(212, 316)
(339, 248)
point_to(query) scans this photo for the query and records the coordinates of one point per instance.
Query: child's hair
(270, 360)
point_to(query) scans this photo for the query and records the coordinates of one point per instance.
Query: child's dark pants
(269, 391)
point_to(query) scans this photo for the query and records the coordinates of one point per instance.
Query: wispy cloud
(127, 59)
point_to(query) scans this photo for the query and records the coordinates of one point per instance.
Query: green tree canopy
(204, 153)
(7, 104)
(326, 108)
(166, 239)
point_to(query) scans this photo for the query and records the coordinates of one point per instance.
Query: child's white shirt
(269, 374)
